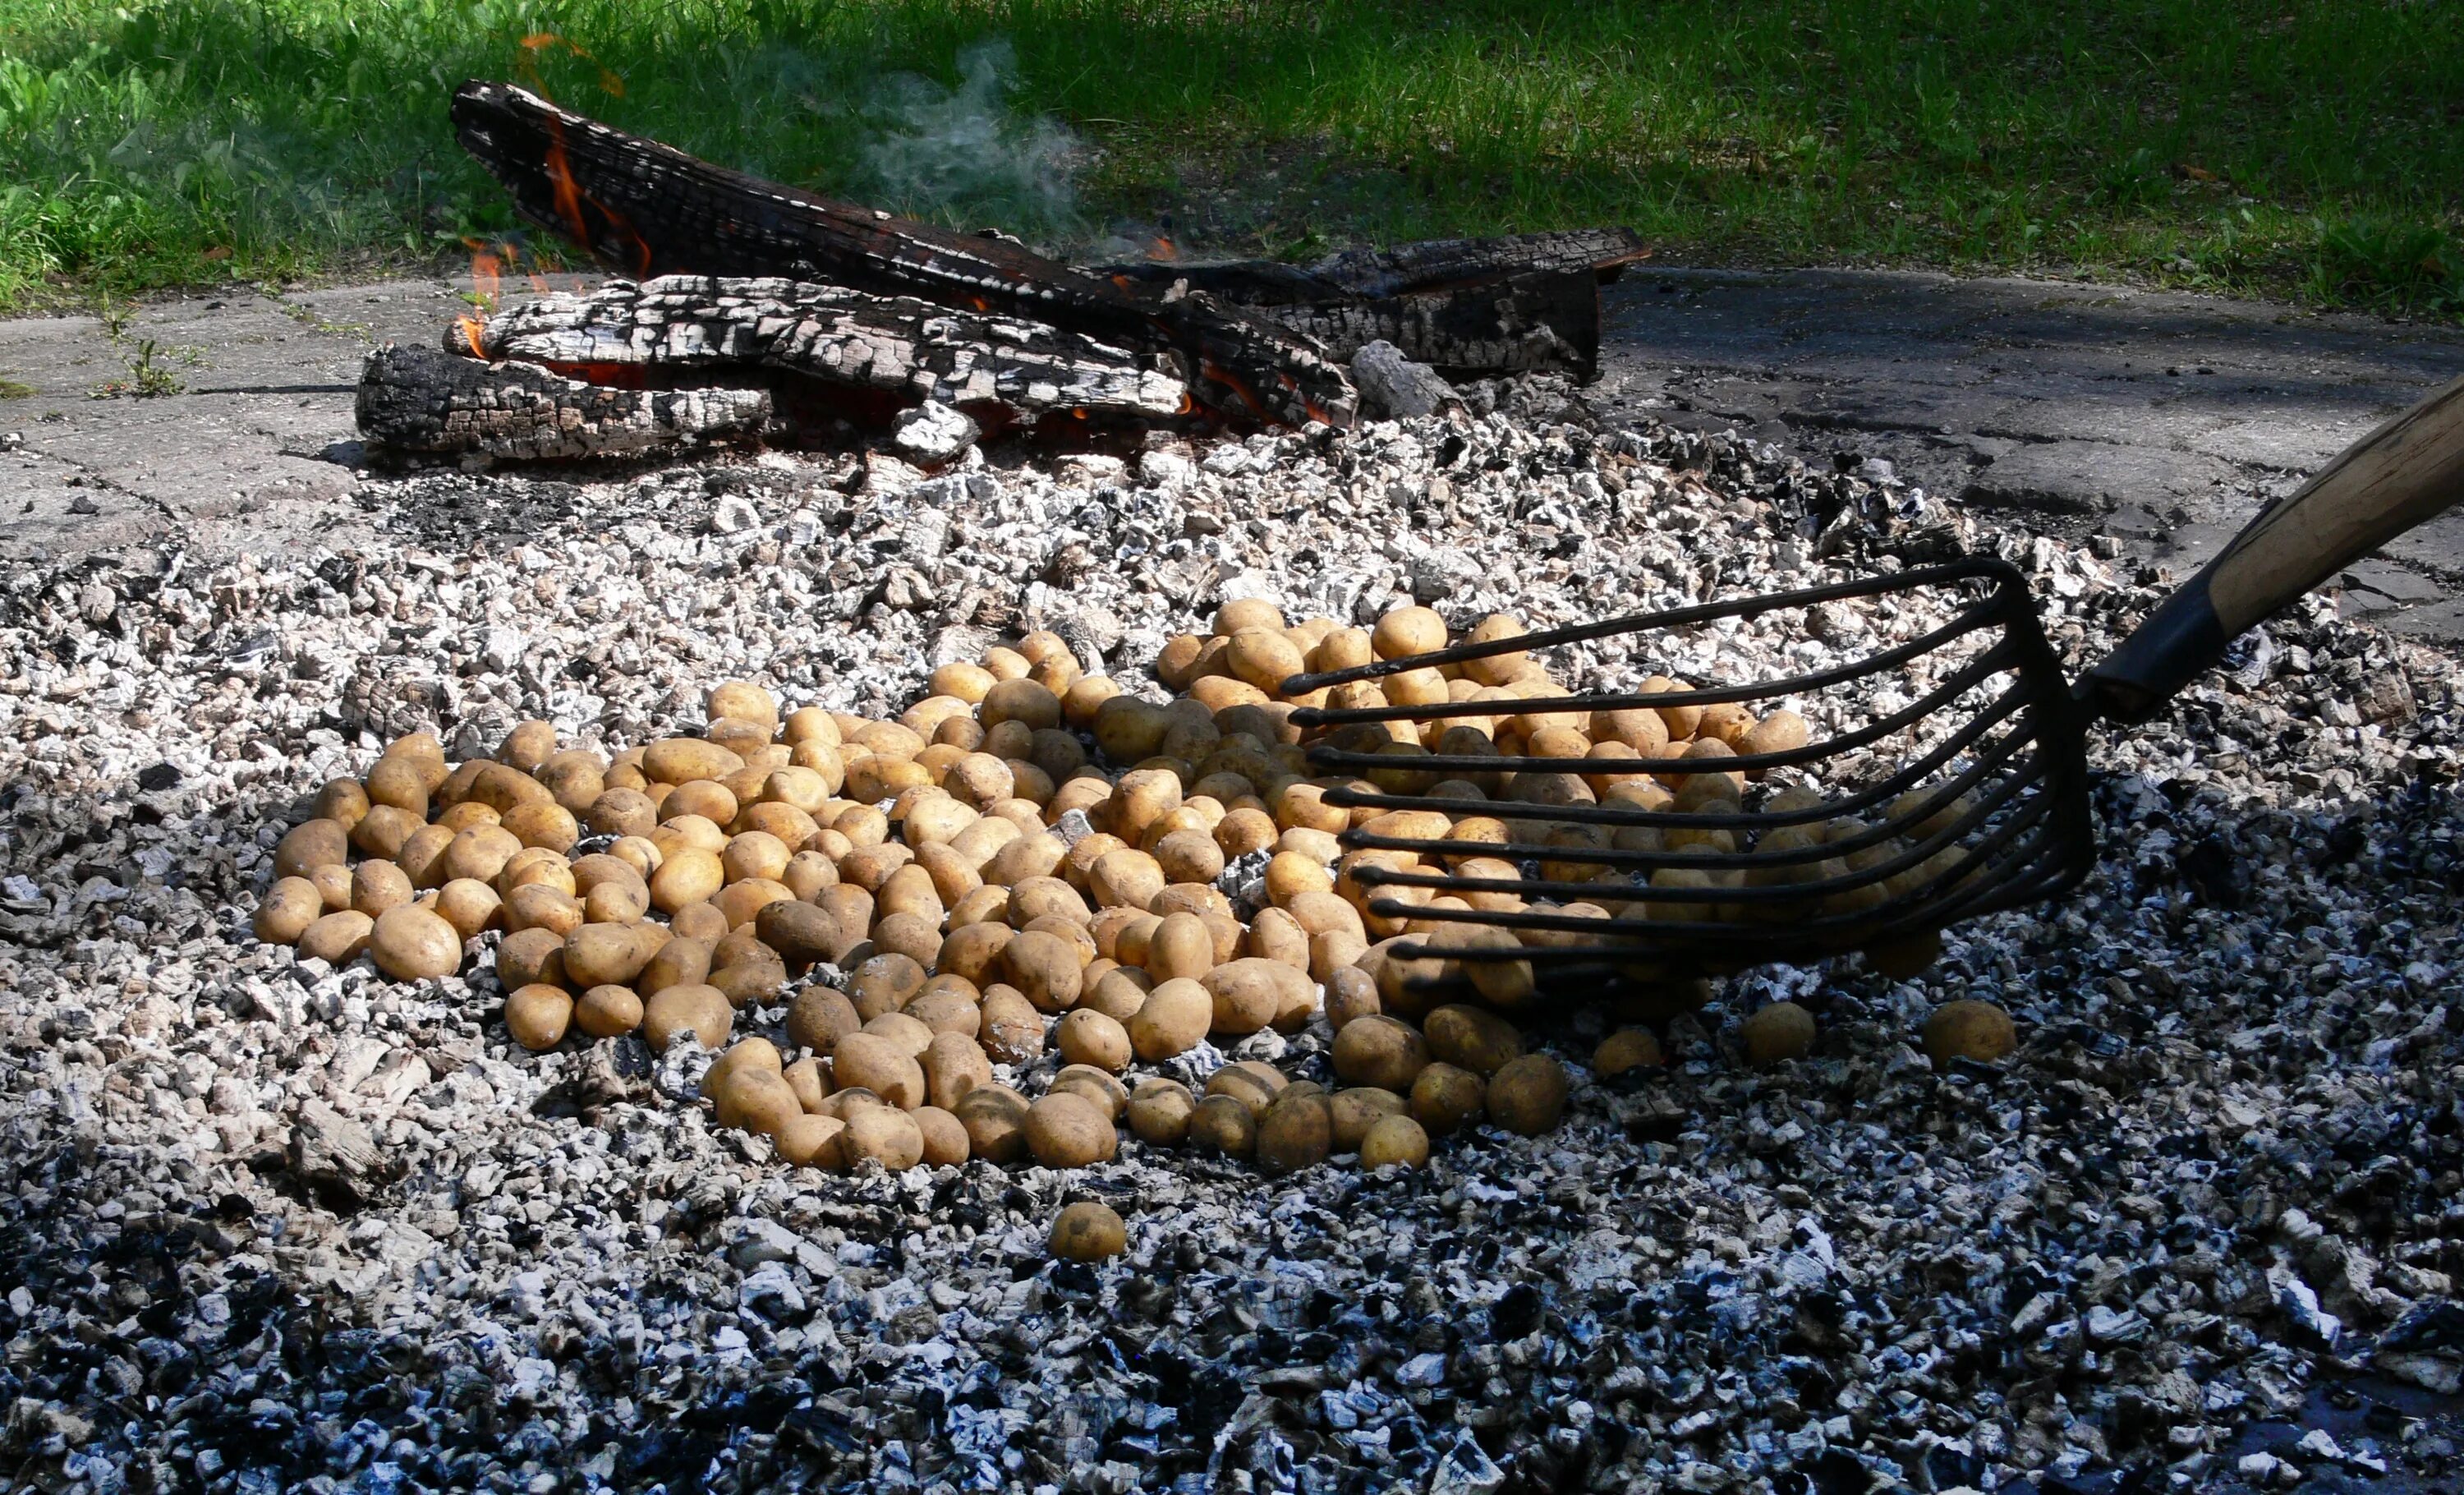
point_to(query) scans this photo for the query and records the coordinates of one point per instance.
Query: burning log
(1521, 304)
(552, 358)
(646, 209)
(419, 400)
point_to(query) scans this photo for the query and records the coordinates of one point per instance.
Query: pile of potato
(989, 888)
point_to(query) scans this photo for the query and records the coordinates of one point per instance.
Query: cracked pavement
(2160, 418)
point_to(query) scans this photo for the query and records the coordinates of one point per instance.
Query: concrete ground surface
(2163, 419)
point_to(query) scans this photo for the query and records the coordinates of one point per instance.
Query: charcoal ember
(1850, 1272)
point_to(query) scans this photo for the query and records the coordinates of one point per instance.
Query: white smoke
(963, 157)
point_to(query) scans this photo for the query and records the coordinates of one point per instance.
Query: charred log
(699, 327)
(419, 400)
(1408, 269)
(646, 209)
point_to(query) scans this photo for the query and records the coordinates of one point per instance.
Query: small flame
(570, 198)
(538, 42)
(487, 284)
(471, 328)
(1163, 248)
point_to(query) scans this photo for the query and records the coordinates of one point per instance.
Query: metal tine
(1998, 660)
(1744, 762)
(1643, 940)
(2001, 573)
(1977, 617)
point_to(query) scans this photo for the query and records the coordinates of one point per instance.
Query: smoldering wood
(1407, 268)
(646, 209)
(435, 403)
(703, 324)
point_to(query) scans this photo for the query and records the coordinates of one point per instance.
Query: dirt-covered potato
(882, 1134)
(1044, 968)
(1472, 1038)
(287, 910)
(410, 943)
(995, 1117)
(1252, 1083)
(819, 1017)
(693, 1007)
(1968, 1030)
(813, 1141)
(1399, 1141)
(1350, 995)
(1252, 993)
(1099, 1085)
(1069, 1131)
(1446, 1098)
(883, 1065)
(1173, 1019)
(1353, 1112)
(1013, 1031)
(952, 1065)
(1775, 1033)
(1627, 1048)
(1223, 1124)
(322, 842)
(1086, 1037)
(1160, 1113)
(945, 1137)
(1296, 1131)
(537, 1015)
(609, 955)
(903, 1030)
(608, 1011)
(1380, 1052)
(1087, 1232)
(1529, 1095)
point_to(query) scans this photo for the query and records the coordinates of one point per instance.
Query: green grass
(2307, 147)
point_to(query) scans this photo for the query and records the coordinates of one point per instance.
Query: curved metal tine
(1977, 618)
(1992, 662)
(2003, 705)
(2001, 573)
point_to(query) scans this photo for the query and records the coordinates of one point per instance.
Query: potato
(1252, 993)
(883, 983)
(883, 1065)
(1250, 1082)
(1471, 1038)
(621, 812)
(952, 1065)
(1776, 1032)
(1528, 1094)
(1350, 995)
(754, 981)
(677, 761)
(410, 943)
(1087, 1232)
(1399, 1141)
(1160, 1110)
(688, 875)
(1446, 1098)
(947, 1004)
(1968, 1028)
(537, 1015)
(881, 1135)
(811, 1141)
(757, 1100)
(399, 783)
(1627, 1048)
(608, 955)
(287, 910)
(608, 1011)
(341, 801)
(1013, 1031)
(1296, 1131)
(1118, 993)
(1172, 1020)
(995, 1117)
(337, 938)
(810, 1082)
(1379, 1051)
(1352, 1113)
(1223, 1124)
(1086, 1037)
(1042, 967)
(697, 1008)
(322, 843)
(1067, 1130)
(911, 1036)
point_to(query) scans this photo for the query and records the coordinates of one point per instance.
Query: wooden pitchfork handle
(2407, 471)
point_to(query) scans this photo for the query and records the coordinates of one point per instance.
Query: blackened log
(1374, 275)
(420, 400)
(646, 209)
(701, 325)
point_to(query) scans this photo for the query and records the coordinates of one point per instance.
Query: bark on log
(1405, 270)
(420, 400)
(646, 209)
(895, 344)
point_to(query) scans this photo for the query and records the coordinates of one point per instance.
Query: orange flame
(569, 198)
(487, 282)
(1163, 248)
(538, 42)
